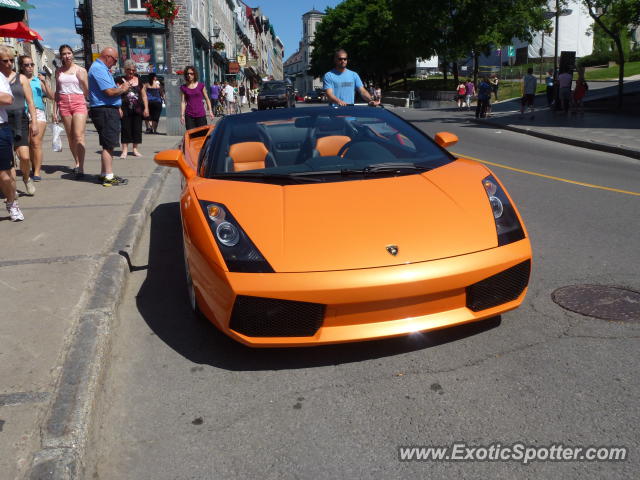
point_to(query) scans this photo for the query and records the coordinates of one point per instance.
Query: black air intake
(500, 288)
(270, 317)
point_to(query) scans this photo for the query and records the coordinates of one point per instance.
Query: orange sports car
(326, 225)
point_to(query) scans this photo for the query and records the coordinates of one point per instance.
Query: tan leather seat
(330, 146)
(248, 156)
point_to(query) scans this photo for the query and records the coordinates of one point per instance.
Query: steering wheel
(345, 147)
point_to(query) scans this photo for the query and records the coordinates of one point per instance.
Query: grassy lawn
(513, 90)
(630, 68)
(510, 89)
(436, 83)
(507, 89)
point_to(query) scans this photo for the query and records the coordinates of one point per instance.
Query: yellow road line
(551, 177)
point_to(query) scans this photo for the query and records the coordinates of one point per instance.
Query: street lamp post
(557, 14)
(555, 51)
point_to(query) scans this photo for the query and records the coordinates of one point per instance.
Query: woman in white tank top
(72, 90)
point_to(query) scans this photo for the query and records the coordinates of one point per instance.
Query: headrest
(253, 153)
(330, 146)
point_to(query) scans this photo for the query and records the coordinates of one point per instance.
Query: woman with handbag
(72, 90)
(135, 106)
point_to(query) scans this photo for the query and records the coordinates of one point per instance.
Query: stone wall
(181, 37)
(107, 13)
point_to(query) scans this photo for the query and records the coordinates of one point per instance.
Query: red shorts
(70, 103)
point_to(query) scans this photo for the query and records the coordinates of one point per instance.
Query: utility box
(172, 99)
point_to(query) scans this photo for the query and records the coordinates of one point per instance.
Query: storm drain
(600, 301)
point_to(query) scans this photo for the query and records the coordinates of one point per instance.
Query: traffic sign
(511, 51)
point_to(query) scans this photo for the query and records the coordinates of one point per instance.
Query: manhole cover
(600, 301)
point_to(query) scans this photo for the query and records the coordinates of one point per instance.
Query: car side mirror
(175, 159)
(446, 139)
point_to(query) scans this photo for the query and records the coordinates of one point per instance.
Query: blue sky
(53, 19)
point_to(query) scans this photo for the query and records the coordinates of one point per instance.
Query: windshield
(322, 144)
(272, 87)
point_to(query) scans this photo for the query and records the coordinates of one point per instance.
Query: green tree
(456, 28)
(369, 32)
(614, 17)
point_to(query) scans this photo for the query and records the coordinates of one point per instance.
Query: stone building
(297, 65)
(124, 24)
(212, 35)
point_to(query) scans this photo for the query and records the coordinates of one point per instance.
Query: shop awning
(18, 30)
(12, 11)
(138, 25)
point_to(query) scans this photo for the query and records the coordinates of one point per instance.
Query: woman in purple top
(192, 112)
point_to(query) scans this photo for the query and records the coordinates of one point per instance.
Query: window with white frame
(135, 6)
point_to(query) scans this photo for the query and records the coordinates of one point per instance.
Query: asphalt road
(182, 401)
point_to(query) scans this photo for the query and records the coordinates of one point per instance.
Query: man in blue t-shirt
(104, 102)
(341, 83)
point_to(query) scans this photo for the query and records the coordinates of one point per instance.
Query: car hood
(349, 225)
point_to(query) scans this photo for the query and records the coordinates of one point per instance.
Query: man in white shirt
(230, 99)
(7, 171)
(529, 86)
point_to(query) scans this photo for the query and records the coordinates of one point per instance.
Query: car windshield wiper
(288, 177)
(376, 168)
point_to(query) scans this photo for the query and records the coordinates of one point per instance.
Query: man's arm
(104, 84)
(333, 99)
(121, 90)
(6, 98)
(327, 84)
(367, 96)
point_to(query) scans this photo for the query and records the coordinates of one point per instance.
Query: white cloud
(56, 36)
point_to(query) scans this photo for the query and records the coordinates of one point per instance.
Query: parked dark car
(314, 97)
(276, 94)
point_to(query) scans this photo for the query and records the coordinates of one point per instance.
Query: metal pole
(556, 87)
(541, 57)
(555, 54)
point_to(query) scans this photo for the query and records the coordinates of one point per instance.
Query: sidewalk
(61, 273)
(606, 131)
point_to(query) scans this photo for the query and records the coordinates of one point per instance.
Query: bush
(594, 59)
(634, 56)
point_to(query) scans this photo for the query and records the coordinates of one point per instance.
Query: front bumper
(368, 304)
(272, 102)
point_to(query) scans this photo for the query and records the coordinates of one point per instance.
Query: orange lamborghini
(326, 225)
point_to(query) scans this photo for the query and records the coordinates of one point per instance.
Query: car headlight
(237, 249)
(283, 96)
(508, 226)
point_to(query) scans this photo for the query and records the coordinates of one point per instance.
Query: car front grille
(270, 317)
(500, 288)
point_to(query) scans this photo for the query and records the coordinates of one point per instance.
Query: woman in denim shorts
(40, 90)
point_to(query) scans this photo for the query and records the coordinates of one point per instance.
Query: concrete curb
(64, 433)
(592, 145)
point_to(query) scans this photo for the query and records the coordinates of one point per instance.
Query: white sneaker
(14, 212)
(30, 186)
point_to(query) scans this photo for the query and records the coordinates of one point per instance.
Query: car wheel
(191, 291)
